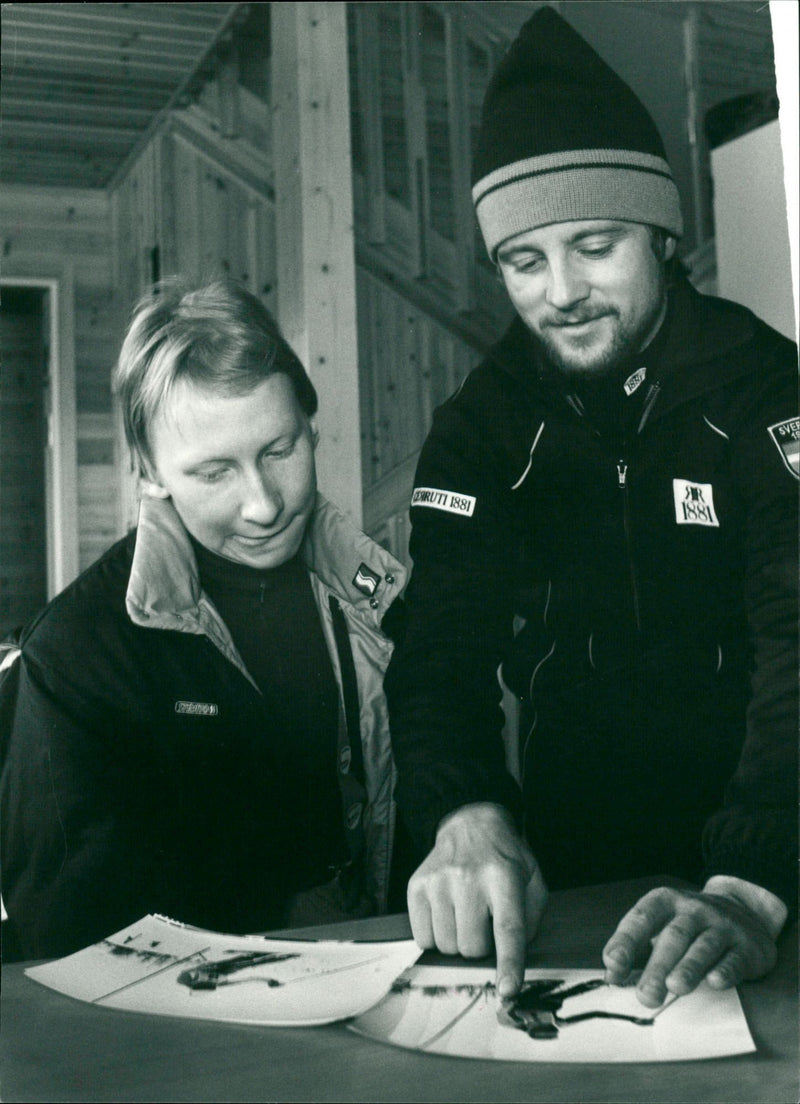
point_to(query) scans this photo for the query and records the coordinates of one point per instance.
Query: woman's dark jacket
(143, 772)
(649, 571)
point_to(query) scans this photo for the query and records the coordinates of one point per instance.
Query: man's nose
(566, 287)
(262, 501)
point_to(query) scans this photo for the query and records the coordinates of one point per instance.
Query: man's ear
(669, 247)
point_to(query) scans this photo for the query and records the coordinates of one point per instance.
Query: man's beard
(625, 343)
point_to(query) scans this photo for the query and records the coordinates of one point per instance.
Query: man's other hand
(689, 936)
(480, 882)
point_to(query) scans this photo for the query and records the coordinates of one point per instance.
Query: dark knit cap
(563, 138)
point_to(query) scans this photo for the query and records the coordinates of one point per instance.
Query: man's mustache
(574, 318)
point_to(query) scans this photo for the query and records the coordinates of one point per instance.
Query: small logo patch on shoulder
(694, 503)
(786, 436)
(631, 384)
(450, 501)
(197, 709)
(366, 580)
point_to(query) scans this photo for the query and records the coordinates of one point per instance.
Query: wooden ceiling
(81, 83)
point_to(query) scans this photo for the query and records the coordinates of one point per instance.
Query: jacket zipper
(622, 479)
(622, 474)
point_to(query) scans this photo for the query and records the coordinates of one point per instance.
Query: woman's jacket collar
(164, 588)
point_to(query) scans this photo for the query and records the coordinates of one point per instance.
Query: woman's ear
(149, 481)
(153, 488)
(314, 431)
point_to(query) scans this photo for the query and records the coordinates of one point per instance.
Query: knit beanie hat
(562, 137)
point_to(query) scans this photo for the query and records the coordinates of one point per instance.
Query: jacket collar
(164, 587)
(699, 347)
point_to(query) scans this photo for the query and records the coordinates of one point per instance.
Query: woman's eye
(212, 476)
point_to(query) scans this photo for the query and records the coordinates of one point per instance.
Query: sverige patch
(786, 436)
(694, 503)
(450, 501)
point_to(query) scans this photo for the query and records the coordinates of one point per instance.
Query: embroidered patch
(632, 382)
(450, 501)
(694, 503)
(786, 436)
(197, 709)
(366, 580)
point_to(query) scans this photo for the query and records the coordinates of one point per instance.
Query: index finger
(510, 938)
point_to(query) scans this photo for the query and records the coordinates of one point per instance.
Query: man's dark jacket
(649, 570)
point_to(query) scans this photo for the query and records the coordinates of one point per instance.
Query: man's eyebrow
(615, 231)
(507, 253)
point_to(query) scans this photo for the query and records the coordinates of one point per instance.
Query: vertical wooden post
(691, 47)
(228, 90)
(369, 87)
(314, 228)
(460, 154)
(414, 108)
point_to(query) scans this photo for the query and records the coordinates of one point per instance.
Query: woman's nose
(262, 501)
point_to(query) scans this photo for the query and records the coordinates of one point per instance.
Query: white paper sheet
(454, 1011)
(161, 967)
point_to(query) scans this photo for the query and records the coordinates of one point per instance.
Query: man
(200, 728)
(616, 484)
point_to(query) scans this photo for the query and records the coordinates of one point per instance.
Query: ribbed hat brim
(576, 184)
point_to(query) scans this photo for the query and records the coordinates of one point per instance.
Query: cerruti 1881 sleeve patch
(786, 436)
(450, 501)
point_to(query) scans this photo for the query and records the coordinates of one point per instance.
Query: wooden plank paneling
(45, 229)
(409, 364)
(314, 228)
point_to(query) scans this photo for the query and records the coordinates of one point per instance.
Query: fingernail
(507, 987)
(617, 956)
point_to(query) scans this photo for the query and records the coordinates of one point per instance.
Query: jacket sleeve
(442, 685)
(73, 866)
(754, 835)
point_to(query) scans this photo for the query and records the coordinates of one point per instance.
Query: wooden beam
(369, 90)
(414, 109)
(314, 228)
(459, 127)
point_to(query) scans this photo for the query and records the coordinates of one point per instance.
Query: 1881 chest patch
(694, 503)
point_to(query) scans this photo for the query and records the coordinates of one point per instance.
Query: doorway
(23, 439)
(38, 524)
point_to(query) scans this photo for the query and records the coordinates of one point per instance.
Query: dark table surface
(53, 1048)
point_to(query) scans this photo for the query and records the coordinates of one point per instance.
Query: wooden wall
(196, 204)
(44, 230)
(198, 199)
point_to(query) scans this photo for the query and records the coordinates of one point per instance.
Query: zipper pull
(622, 472)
